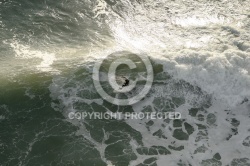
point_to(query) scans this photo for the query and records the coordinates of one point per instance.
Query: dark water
(199, 51)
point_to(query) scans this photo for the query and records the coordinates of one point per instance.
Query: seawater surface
(200, 54)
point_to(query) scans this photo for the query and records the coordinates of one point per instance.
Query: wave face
(200, 56)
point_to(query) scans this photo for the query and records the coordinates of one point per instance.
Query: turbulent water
(200, 53)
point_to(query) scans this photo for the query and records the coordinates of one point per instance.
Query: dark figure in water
(126, 83)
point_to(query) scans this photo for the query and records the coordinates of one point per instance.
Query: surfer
(126, 82)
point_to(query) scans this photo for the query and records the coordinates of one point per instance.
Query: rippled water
(200, 53)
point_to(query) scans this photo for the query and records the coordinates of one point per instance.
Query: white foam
(196, 21)
(224, 75)
(212, 57)
(200, 48)
(26, 52)
(205, 43)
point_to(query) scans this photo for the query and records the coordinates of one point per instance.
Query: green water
(33, 133)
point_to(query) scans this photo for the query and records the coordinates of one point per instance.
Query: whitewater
(200, 55)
